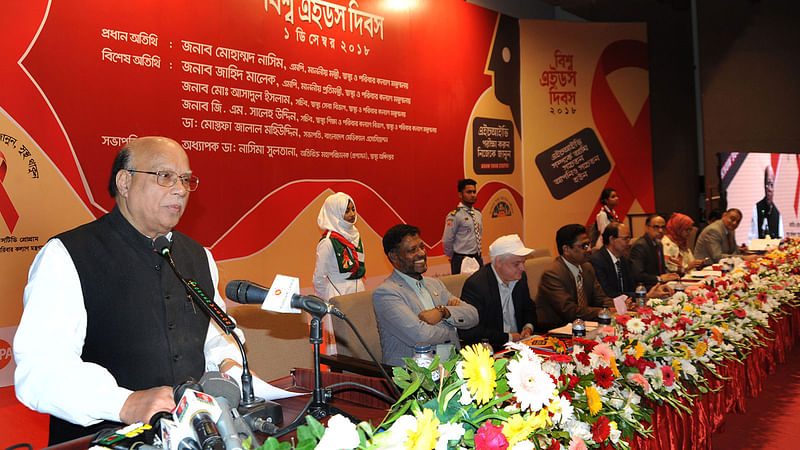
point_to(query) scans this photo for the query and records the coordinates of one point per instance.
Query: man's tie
(581, 293)
(475, 228)
(618, 264)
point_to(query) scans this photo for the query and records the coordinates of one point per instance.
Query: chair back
(454, 283)
(358, 308)
(534, 268)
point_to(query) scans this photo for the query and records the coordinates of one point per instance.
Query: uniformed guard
(463, 228)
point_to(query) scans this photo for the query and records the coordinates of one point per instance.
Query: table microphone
(247, 292)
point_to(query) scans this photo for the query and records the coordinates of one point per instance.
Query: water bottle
(423, 356)
(578, 332)
(679, 286)
(641, 294)
(604, 318)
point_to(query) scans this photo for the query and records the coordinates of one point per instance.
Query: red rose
(554, 445)
(601, 429)
(740, 313)
(560, 358)
(658, 342)
(490, 437)
(583, 358)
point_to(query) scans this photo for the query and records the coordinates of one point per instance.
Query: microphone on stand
(253, 404)
(247, 292)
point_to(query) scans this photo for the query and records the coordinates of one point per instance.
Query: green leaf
(317, 428)
(304, 433)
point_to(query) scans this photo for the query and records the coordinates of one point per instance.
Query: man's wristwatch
(444, 311)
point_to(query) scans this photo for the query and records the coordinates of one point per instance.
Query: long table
(741, 380)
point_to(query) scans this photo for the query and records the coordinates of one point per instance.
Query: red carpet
(19, 424)
(772, 420)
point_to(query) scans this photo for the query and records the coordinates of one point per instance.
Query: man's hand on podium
(142, 405)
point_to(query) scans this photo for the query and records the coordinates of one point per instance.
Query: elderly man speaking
(107, 328)
(499, 291)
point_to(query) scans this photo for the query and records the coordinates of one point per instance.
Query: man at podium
(107, 327)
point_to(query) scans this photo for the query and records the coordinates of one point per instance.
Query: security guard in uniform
(463, 227)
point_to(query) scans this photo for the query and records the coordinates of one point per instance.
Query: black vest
(770, 212)
(141, 324)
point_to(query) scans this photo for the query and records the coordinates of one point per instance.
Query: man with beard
(413, 310)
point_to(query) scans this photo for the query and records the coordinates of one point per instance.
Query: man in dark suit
(647, 255)
(499, 291)
(568, 288)
(613, 269)
(610, 263)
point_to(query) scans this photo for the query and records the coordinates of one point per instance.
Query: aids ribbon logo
(7, 210)
(628, 143)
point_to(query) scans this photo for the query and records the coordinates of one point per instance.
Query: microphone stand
(318, 407)
(252, 408)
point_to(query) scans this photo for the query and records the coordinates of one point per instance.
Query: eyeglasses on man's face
(168, 178)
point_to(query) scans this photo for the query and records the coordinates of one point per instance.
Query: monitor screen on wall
(748, 180)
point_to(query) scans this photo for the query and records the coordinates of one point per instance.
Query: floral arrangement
(596, 394)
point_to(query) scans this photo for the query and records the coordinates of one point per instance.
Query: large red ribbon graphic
(7, 209)
(629, 145)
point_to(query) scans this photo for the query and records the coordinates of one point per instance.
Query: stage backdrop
(586, 122)
(280, 103)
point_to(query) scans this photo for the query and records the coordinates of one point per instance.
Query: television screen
(764, 186)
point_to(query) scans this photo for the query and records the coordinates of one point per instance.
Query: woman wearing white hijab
(340, 254)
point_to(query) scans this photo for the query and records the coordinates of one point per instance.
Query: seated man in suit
(718, 239)
(568, 288)
(499, 291)
(612, 268)
(411, 309)
(647, 254)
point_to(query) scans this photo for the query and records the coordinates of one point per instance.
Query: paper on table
(261, 388)
(619, 304)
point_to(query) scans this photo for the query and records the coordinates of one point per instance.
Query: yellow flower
(687, 308)
(639, 350)
(541, 419)
(427, 433)
(516, 429)
(614, 370)
(593, 399)
(687, 354)
(676, 366)
(479, 373)
(701, 349)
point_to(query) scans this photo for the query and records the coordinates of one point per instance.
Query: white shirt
(51, 377)
(507, 303)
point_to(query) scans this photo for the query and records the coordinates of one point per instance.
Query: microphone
(162, 246)
(225, 390)
(197, 411)
(247, 292)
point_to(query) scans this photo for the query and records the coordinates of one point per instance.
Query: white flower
(466, 398)
(576, 428)
(340, 434)
(532, 386)
(523, 445)
(396, 436)
(615, 433)
(562, 410)
(448, 432)
(636, 325)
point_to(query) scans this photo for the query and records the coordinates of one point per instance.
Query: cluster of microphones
(206, 417)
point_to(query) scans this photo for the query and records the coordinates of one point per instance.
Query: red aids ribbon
(7, 209)
(629, 145)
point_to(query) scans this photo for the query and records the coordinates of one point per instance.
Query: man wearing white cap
(499, 291)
